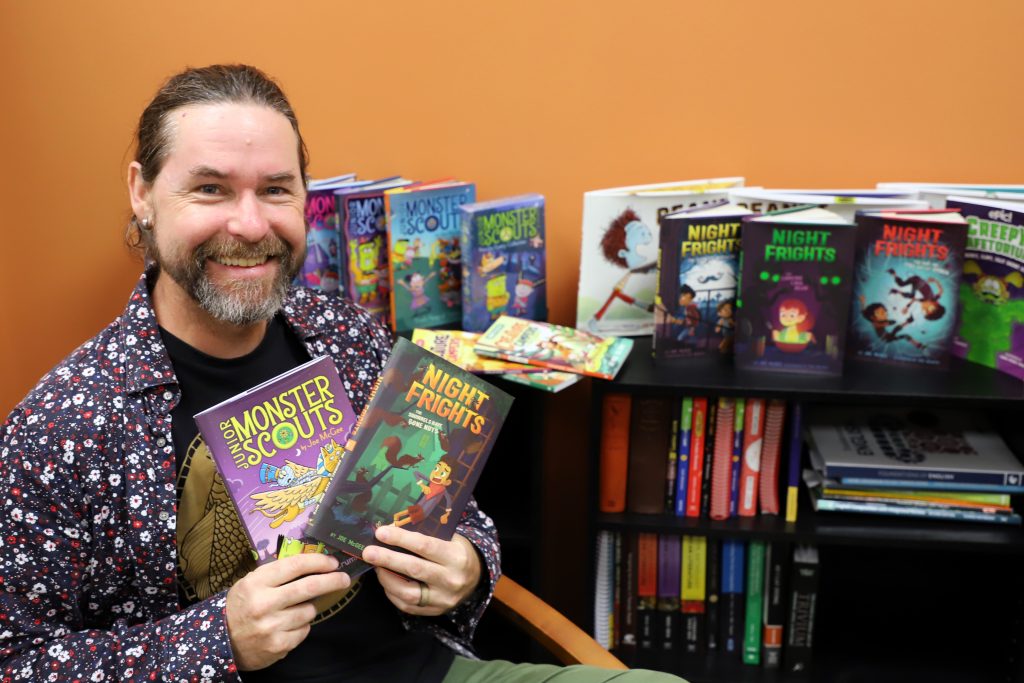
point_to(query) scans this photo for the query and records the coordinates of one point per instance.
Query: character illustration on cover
(878, 317)
(298, 486)
(570, 346)
(726, 324)
(365, 260)
(793, 328)
(523, 291)
(434, 488)
(620, 246)
(925, 292)
(448, 253)
(415, 284)
(990, 316)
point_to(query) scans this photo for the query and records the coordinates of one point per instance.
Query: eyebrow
(210, 172)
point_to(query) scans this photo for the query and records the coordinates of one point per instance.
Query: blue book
(503, 260)
(796, 447)
(732, 595)
(424, 233)
(683, 454)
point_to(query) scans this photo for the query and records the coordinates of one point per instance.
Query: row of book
(698, 457)
(426, 254)
(751, 601)
(900, 274)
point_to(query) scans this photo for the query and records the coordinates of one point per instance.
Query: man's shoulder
(326, 313)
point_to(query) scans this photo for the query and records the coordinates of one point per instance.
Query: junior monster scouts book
(322, 269)
(697, 272)
(364, 244)
(426, 258)
(619, 258)
(794, 291)
(906, 282)
(503, 261)
(276, 446)
(456, 346)
(554, 346)
(991, 328)
(416, 453)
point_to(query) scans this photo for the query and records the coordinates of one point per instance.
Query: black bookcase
(899, 600)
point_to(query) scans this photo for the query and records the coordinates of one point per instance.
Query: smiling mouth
(241, 262)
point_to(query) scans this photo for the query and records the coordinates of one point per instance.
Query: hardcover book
(991, 326)
(276, 446)
(697, 272)
(906, 282)
(794, 291)
(415, 454)
(669, 571)
(424, 233)
(323, 268)
(554, 346)
(613, 465)
(503, 260)
(649, 437)
(619, 251)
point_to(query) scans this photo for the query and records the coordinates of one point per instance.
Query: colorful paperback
(554, 346)
(323, 267)
(276, 446)
(416, 453)
(545, 380)
(619, 257)
(795, 271)
(426, 258)
(991, 327)
(456, 346)
(503, 260)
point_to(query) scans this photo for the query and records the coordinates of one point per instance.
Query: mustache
(268, 247)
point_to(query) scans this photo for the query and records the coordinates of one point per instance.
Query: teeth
(242, 262)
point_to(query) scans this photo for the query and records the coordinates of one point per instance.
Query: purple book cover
(795, 284)
(322, 269)
(669, 577)
(276, 447)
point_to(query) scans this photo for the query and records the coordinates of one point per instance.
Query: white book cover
(619, 251)
(846, 203)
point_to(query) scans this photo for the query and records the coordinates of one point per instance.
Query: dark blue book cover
(906, 286)
(503, 261)
(794, 291)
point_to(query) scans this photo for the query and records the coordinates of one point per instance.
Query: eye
(208, 188)
(276, 190)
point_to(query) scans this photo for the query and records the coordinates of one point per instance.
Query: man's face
(227, 209)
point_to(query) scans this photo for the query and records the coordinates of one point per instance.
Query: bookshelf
(900, 599)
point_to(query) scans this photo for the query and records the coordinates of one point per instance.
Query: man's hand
(269, 610)
(442, 576)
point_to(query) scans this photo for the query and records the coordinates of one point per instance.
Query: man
(121, 556)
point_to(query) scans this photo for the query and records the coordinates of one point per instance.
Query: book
(710, 439)
(794, 468)
(915, 446)
(802, 609)
(605, 589)
(546, 380)
(424, 229)
(503, 260)
(456, 346)
(415, 454)
(755, 601)
(938, 198)
(322, 268)
(697, 271)
(619, 251)
(750, 468)
(683, 455)
(649, 438)
(736, 463)
(626, 615)
(919, 498)
(694, 593)
(553, 346)
(364, 236)
(669, 571)
(647, 590)
(794, 291)
(698, 436)
(771, 453)
(317, 183)
(906, 284)
(845, 203)
(672, 461)
(991, 297)
(733, 594)
(721, 469)
(713, 610)
(614, 459)
(776, 561)
(276, 446)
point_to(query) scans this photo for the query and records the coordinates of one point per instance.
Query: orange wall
(555, 97)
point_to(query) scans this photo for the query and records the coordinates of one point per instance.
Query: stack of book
(911, 463)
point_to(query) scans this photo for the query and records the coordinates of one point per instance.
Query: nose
(250, 222)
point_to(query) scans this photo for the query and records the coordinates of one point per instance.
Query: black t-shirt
(364, 640)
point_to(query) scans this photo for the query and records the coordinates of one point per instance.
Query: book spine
(771, 453)
(604, 590)
(803, 599)
(647, 589)
(673, 462)
(755, 593)
(930, 485)
(713, 609)
(616, 634)
(627, 615)
(669, 558)
(776, 555)
(694, 592)
(709, 458)
(994, 481)
(737, 457)
(722, 468)
(696, 473)
(796, 441)
(683, 454)
(733, 591)
(468, 247)
(614, 456)
(753, 439)
(648, 441)
(830, 505)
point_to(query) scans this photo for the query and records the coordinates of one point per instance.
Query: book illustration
(323, 267)
(991, 297)
(794, 292)
(426, 257)
(554, 346)
(504, 262)
(905, 287)
(276, 447)
(546, 380)
(417, 452)
(456, 346)
(618, 262)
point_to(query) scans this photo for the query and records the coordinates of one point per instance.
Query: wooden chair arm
(565, 640)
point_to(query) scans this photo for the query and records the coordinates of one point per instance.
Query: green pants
(497, 671)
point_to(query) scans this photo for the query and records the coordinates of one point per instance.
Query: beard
(239, 302)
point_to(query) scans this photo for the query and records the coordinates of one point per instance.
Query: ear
(139, 191)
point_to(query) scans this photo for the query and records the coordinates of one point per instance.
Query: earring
(146, 223)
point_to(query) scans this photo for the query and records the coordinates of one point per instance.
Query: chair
(567, 642)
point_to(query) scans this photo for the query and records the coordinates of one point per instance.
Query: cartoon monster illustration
(988, 313)
(489, 262)
(365, 261)
(925, 292)
(795, 326)
(298, 486)
(621, 247)
(434, 488)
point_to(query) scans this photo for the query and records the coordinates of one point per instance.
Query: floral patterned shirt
(87, 531)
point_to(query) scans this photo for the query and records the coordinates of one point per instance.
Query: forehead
(231, 137)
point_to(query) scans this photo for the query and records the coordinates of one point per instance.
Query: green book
(755, 594)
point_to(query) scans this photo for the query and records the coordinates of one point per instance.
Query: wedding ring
(424, 595)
